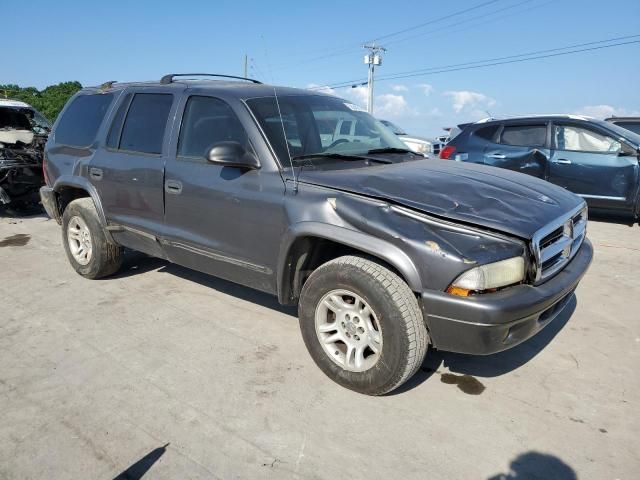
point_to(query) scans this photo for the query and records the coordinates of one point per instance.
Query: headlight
(489, 277)
(422, 148)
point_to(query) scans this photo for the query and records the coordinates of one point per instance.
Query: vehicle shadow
(468, 365)
(627, 220)
(30, 211)
(135, 263)
(490, 365)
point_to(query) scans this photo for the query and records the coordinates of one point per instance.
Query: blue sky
(301, 44)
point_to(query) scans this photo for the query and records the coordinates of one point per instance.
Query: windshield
(320, 125)
(12, 118)
(623, 132)
(393, 127)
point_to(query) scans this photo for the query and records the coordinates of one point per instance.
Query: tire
(395, 320)
(104, 258)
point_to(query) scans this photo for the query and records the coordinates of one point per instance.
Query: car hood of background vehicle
(412, 139)
(494, 198)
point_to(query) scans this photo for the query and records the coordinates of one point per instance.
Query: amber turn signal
(460, 292)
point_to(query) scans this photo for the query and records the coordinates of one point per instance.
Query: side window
(82, 119)
(207, 121)
(345, 128)
(146, 122)
(488, 133)
(361, 130)
(524, 135)
(116, 126)
(578, 139)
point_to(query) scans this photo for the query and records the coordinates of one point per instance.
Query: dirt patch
(17, 240)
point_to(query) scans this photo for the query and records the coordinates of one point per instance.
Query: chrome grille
(556, 244)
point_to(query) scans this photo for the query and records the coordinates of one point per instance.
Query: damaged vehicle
(385, 253)
(23, 134)
(592, 158)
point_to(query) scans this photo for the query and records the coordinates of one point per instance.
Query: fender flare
(368, 244)
(84, 184)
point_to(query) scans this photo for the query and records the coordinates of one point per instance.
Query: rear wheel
(362, 325)
(89, 251)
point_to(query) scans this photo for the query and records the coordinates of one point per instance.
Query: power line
(341, 51)
(439, 19)
(461, 22)
(496, 61)
(609, 40)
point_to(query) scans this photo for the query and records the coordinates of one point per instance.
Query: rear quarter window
(80, 122)
(488, 133)
(524, 135)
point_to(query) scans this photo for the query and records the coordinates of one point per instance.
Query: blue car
(595, 159)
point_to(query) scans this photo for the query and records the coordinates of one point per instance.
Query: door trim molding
(219, 257)
(602, 197)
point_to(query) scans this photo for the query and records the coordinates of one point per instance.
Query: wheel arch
(68, 189)
(304, 248)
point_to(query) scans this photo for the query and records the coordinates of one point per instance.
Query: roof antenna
(284, 132)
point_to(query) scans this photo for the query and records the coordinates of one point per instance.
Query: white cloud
(321, 88)
(426, 88)
(464, 100)
(390, 105)
(358, 94)
(399, 88)
(605, 111)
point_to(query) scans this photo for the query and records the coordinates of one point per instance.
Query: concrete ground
(166, 371)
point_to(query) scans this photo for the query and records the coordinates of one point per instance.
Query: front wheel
(362, 325)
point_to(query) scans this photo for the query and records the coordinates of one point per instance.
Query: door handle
(95, 173)
(563, 161)
(499, 156)
(173, 186)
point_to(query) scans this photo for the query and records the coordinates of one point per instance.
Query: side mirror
(627, 150)
(232, 154)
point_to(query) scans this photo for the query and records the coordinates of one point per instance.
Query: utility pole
(372, 59)
(246, 62)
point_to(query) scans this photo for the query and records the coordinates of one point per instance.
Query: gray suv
(383, 251)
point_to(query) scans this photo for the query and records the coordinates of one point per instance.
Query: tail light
(447, 152)
(44, 169)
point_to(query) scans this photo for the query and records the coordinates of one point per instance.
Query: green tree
(48, 101)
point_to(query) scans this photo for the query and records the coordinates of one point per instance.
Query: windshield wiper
(390, 150)
(340, 156)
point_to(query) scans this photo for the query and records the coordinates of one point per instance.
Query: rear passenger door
(522, 147)
(592, 163)
(129, 172)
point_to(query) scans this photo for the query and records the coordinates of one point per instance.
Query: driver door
(222, 220)
(594, 165)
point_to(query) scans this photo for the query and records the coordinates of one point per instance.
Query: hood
(489, 197)
(412, 139)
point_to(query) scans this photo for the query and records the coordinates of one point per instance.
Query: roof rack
(169, 78)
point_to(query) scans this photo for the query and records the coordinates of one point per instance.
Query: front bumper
(493, 322)
(49, 202)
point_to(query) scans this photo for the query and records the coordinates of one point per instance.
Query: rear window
(146, 121)
(82, 119)
(524, 135)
